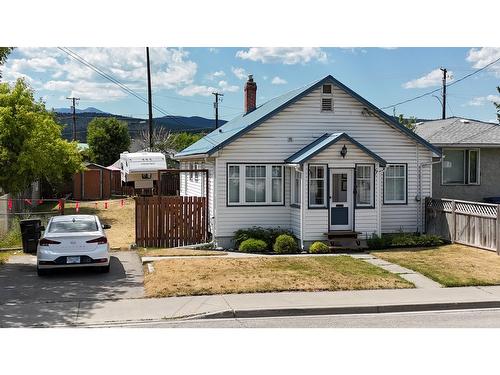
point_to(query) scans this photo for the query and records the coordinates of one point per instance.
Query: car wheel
(42, 272)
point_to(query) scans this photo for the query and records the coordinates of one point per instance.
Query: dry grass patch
(5, 255)
(449, 265)
(181, 277)
(121, 219)
(176, 252)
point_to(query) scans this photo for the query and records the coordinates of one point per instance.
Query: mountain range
(192, 124)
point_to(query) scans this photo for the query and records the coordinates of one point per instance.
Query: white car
(73, 241)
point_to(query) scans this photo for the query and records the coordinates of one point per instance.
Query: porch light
(343, 152)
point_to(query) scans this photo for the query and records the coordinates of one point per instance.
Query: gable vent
(326, 104)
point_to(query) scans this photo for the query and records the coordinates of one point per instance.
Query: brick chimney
(250, 94)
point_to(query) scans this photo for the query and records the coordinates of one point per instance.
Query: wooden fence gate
(169, 221)
(468, 223)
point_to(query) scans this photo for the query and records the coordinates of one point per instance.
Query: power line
(122, 86)
(448, 85)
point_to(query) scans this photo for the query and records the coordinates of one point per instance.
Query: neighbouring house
(469, 169)
(317, 160)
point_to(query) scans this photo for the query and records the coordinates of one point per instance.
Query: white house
(317, 160)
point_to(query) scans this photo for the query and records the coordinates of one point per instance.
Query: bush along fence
(468, 223)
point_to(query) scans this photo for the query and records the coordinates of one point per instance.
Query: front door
(341, 199)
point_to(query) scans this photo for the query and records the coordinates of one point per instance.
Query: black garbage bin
(30, 232)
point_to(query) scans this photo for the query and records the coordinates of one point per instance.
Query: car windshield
(76, 225)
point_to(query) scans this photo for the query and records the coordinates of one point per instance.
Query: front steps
(345, 240)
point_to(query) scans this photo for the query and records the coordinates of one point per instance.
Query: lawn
(176, 252)
(121, 219)
(449, 265)
(181, 277)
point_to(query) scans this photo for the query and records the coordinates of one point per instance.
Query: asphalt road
(442, 319)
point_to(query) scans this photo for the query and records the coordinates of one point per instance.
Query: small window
(364, 185)
(277, 184)
(317, 186)
(191, 174)
(146, 176)
(196, 174)
(326, 104)
(327, 89)
(234, 184)
(395, 184)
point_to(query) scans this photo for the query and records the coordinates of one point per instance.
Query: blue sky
(183, 78)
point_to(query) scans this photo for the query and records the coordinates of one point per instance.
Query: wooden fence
(169, 221)
(468, 223)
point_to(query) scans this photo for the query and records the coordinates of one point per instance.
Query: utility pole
(216, 106)
(73, 107)
(150, 103)
(444, 70)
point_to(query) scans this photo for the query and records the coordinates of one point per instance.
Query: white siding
(197, 188)
(295, 127)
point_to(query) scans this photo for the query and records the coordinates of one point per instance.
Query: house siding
(489, 179)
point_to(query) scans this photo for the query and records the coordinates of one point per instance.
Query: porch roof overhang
(325, 141)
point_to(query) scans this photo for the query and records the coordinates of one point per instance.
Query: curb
(283, 312)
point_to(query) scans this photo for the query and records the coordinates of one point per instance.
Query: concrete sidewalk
(109, 312)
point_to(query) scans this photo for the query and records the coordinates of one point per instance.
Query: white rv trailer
(140, 169)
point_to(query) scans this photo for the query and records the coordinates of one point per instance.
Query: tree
(498, 106)
(4, 52)
(182, 140)
(410, 122)
(31, 147)
(107, 138)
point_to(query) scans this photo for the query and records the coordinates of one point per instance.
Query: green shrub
(253, 245)
(12, 238)
(319, 248)
(268, 235)
(285, 244)
(403, 240)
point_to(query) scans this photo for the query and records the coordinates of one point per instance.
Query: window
(191, 167)
(276, 184)
(326, 104)
(196, 173)
(395, 184)
(255, 184)
(327, 89)
(233, 184)
(147, 176)
(460, 167)
(364, 185)
(296, 187)
(317, 186)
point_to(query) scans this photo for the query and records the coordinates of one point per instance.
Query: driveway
(56, 298)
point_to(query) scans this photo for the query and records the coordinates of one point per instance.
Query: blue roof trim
(242, 124)
(325, 141)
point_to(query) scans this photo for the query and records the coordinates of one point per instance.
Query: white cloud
(226, 87)
(214, 75)
(482, 100)
(431, 79)
(192, 90)
(85, 90)
(278, 81)
(240, 73)
(480, 57)
(284, 55)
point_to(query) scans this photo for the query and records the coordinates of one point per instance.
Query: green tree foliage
(4, 52)
(409, 122)
(31, 147)
(182, 140)
(107, 138)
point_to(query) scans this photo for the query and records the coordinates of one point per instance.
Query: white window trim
(405, 190)
(268, 191)
(325, 187)
(372, 186)
(466, 167)
(293, 176)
